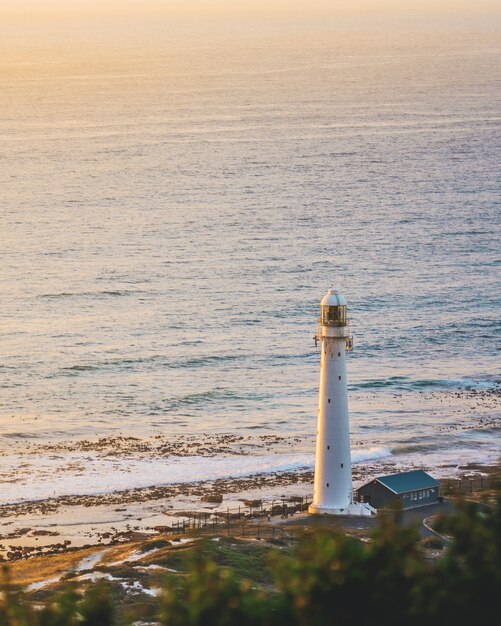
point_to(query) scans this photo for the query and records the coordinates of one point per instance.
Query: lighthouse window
(342, 464)
(340, 378)
(339, 353)
(333, 315)
(327, 484)
(328, 447)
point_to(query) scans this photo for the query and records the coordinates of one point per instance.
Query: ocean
(176, 200)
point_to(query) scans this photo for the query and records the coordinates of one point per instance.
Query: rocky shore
(63, 524)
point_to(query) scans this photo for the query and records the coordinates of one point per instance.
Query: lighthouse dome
(333, 298)
(333, 309)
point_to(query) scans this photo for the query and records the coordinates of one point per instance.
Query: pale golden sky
(89, 8)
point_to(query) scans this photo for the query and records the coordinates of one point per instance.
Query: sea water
(176, 200)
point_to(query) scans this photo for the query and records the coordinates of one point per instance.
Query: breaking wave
(370, 454)
(89, 473)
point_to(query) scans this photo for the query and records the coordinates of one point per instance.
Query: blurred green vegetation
(327, 579)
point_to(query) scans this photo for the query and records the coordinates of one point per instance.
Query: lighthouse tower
(333, 486)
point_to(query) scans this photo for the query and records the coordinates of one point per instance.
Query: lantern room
(333, 309)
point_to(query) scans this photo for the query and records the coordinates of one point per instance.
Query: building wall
(380, 497)
(420, 497)
(376, 495)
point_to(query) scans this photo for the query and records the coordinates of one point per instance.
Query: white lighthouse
(333, 487)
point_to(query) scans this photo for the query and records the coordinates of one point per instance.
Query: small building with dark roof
(411, 489)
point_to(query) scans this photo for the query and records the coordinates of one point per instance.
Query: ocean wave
(79, 368)
(418, 447)
(106, 293)
(204, 361)
(409, 384)
(475, 438)
(200, 399)
(370, 454)
(46, 476)
(154, 360)
(89, 474)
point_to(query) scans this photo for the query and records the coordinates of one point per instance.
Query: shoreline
(66, 523)
(459, 427)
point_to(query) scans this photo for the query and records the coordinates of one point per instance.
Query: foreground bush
(67, 609)
(329, 579)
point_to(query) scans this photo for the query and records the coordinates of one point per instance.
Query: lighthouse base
(357, 509)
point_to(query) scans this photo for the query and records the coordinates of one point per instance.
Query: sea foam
(87, 473)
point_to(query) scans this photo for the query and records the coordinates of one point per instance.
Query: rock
(253, 503)
(215, 498)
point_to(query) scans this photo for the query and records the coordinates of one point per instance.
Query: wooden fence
(464, 486)
(245, 521)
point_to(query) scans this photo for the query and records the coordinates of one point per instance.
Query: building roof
(408, 481)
